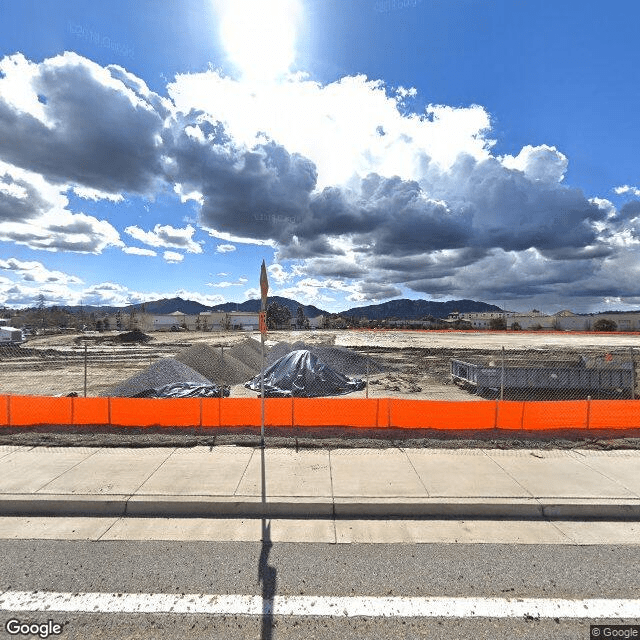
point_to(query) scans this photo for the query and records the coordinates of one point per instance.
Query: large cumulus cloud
(343, 179)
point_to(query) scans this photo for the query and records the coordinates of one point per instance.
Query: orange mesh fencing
(614, 414)
(562, 414)
(510, 415)
(446, 415)
(90, 411)
(336, 412)
(4, 411)
(369, 413)
(153, 412)
(31, 410)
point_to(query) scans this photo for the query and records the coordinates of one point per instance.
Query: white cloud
(172, 257)
(167, 236)
(278, 274)
(542, 163)
(31, 271)
(351, 126)
(138, 251)
(225, 248)
(95, 195)
(627, 189)
(239, 283)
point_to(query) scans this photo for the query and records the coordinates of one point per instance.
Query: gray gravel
(160, 373)
(217, 364)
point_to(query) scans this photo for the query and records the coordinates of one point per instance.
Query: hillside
(406, 309)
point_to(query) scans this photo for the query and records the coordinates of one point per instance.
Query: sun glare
(259, 36)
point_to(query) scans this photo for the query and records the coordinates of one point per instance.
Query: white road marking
(323, 606)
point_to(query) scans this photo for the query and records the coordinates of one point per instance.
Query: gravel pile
(340, 359)
(249, 353)
(162, 372)
(216, 364)
(277, 351)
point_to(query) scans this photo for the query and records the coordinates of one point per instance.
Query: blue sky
(366, 149)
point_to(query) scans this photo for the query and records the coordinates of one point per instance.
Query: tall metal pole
(262, 392)
(264, 288)
(85, 369)
(502, 378)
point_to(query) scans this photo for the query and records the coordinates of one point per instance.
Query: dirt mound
(162, 372)
(218, 365)
(133, 336)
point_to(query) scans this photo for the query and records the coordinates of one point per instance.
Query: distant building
(244, 321)
(168, 321)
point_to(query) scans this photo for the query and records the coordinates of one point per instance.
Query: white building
(244, 321)
(168, 321)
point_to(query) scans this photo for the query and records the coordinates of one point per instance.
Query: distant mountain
(166, 305)
(170, 305)
(254, 305)
(406, 309)
(403, 309)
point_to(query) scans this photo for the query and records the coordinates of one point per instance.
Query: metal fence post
(367, 387)
(633, 375)
(502, 377)
(85, 369)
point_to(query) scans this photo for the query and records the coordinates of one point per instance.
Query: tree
(516, 326)
(277, 316)
(604, 324)
(498, 324)
(300, 318)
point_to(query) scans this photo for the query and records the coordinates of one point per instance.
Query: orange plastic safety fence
(31, 410)
(91, 411)
(336, 412)
(614, 414)
(446, 415)
(563, 414)
(320, 412)
(152, 412)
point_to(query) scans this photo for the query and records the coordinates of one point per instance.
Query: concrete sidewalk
(242, 482)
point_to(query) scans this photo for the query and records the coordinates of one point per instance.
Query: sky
(365, 149)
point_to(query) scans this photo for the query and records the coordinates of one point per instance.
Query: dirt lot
(416, 365)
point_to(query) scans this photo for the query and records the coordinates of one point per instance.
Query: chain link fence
(106, 365)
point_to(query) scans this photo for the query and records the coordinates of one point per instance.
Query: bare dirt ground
(416, 365)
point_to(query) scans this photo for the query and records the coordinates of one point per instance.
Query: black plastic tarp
(302, 374)
(185, 390)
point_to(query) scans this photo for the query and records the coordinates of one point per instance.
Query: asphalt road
(452, 570)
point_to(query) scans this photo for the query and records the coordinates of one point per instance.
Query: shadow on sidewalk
(267, 574)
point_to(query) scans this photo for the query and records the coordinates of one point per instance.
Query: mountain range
(403, 308)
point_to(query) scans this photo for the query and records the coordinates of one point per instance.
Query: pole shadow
(267, 574)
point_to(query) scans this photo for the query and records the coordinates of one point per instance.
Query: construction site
(413, 364)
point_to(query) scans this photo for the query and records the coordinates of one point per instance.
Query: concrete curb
(318, 508)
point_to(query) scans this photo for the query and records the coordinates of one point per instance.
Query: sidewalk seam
(510, 476)
(604, 475)
(235, 491)
(149, 476)
(428, 495)
(67, 470)
(126, 503)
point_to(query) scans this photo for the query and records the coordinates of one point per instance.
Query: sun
(259, 36)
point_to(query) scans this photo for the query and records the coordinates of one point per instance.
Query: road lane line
(320, 606)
